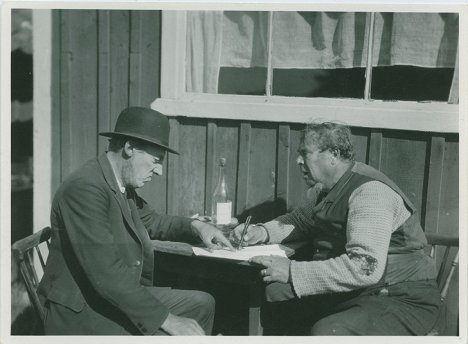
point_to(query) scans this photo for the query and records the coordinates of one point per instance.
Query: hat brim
(142, 138)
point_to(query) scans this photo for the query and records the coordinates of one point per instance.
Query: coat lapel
(109, 176)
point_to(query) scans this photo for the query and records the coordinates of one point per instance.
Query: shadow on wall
(264, 212)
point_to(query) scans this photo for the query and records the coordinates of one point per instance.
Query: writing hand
(276, 268)
(181, 326)
(254, 235)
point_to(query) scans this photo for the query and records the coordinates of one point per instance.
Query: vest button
(137, 263)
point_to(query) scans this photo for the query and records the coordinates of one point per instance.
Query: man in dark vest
(366, 273)
(99, 274)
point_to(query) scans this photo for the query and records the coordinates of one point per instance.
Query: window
(388, 70)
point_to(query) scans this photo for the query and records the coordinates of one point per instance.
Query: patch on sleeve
(367, 263)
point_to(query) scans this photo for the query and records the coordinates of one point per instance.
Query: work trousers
(193, 304)
(407, 308)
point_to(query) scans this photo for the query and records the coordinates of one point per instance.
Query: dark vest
(406, 259)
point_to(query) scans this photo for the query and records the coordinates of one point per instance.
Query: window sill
(401, 115)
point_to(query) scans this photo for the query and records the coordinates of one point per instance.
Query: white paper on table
(246, 253)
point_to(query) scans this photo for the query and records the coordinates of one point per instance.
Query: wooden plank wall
(107, 60)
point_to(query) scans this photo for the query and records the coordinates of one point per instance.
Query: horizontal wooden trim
(404, 115)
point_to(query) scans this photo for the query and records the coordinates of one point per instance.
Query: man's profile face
(313, 163)
(144, 161)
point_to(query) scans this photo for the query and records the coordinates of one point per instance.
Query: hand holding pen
(250, 234)
(244, 231)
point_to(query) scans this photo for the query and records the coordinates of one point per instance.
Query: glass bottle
(221, 208)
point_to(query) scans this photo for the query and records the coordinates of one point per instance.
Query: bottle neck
(220, 175)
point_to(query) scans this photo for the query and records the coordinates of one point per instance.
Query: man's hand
(211, 236)
(255, 235)
(276, 268)
(180, 326)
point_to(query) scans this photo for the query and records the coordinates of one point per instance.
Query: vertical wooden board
(191, 170)
(448, 218)
(104, 82)
(243, 168)
(119, 61)
(150, 50)
(282, 167)
(403, 160)
(82, 116)
(297, 185)
(135, 59)
(262, 177)
(56, 103)
(65, 92)
(210, 168)
(226, 146)
(374, 155)
(360, 139)
(435, 167)
(449, 204)
(172, 175)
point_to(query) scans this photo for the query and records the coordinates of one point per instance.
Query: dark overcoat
(100, 266)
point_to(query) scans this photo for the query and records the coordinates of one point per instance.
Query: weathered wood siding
(107, 60)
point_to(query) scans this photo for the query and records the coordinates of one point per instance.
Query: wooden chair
(444, 275)
(23, 251)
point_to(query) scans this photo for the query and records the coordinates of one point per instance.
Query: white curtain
(203, 50)
(315, 40)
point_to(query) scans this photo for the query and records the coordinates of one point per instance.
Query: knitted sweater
(375, 211)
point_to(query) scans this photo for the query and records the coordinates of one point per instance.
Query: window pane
(336, 83)
(246, 81)
(411, 83)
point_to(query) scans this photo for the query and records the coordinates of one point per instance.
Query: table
(178, 258)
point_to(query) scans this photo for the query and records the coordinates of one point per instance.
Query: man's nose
(300, 160)
(158, 170)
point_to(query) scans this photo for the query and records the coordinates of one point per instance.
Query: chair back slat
(438, 242)
(446, 284)
(39, 254)
(23, 253)
(443, 264)
(29, 262)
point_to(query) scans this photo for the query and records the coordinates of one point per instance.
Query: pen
(246, 225)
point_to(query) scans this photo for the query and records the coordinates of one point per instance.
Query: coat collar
(111, 180)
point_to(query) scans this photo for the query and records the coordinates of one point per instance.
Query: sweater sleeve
(375, 211)
(297, 224)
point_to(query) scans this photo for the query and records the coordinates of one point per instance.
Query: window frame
(175, 101)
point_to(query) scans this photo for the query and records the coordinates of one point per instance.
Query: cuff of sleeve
(301, 280)
(158, 324)
(274, 233)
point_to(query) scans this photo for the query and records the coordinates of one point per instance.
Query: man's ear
(128, 149)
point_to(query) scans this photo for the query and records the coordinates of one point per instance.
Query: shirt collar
(119, 184)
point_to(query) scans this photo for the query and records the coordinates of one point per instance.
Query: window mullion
(370, 52)
(269, 81)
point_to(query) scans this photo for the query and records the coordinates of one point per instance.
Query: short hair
(330, 136)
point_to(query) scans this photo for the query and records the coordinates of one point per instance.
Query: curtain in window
(203, 50)
(315, 40)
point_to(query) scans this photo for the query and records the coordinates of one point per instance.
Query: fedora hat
(143, 124)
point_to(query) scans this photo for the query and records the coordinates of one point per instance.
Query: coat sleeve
(164, 227)
(84, 211)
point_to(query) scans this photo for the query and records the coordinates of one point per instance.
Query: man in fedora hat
(99, 275)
